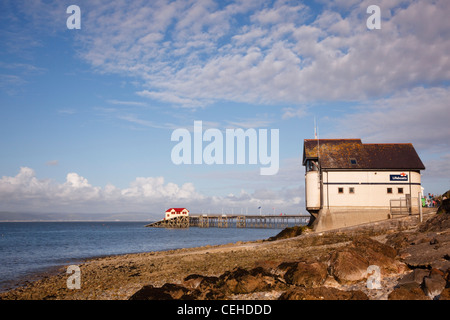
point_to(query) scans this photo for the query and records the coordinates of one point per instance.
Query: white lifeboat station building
(176, 212)
(349, 183)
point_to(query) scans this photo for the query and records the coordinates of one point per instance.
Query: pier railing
(230, 221)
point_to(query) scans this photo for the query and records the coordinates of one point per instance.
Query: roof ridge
(394, 143)
(355, 139)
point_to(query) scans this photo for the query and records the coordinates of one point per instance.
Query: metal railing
(401, 206)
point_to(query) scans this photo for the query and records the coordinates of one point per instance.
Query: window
(351, 190)
(353, 162)
(340, 190)
(389, 190)
(400, 190)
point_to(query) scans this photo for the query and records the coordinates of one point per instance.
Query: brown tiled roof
(338, 153)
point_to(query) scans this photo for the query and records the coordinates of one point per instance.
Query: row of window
(352, 190)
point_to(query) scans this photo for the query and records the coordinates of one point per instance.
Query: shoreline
(34, 288)
(16, 275)
(118, 277)
(58, 270)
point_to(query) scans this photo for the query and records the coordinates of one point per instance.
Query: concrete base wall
(329, 219)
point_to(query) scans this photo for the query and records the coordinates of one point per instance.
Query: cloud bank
(25, 192)
(193, 53)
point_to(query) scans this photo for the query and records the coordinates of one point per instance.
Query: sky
(87, 115)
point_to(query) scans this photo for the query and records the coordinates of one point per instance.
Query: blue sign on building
(399, 177)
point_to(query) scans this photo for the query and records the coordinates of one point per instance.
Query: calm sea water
(30, 248)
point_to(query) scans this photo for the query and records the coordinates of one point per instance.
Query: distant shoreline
(8, 216)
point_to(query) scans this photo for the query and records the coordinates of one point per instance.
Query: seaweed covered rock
(241, 281)
(166, 292)
(289, 232)
(444, 207)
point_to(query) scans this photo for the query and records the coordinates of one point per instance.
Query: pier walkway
(232, 221)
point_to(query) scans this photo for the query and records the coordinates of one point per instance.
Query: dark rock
(269, 265)
(284, 267)
(437, 272)
(420, 283)
(196, 281)
(434, 284)
(151, 293)
(398, 240)
(447, 276)
(347, 265)
(424, 255)
(241, 281)
(434, 241)
(378, 254)
(307, 274)
(211, 294)
(402, 293)
(322, 293)
(439, 222)
(444, 208)
(350, 264)
(413, 279)
(364, 243)
(178, 292)
(167, 292)
(445, 294)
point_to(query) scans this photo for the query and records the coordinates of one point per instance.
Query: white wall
(370, 188)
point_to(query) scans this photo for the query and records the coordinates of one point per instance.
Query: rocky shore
(401, 258)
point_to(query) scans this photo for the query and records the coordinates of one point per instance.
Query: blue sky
(86, 115)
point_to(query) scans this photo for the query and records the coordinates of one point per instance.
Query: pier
(232, 221)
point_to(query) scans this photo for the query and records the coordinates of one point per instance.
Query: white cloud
(134, 119)
(289, 113)
(128, 103)
(194, 53)
(254, 123)
(25, 192)
(172, 98)
(281, 12)
(420, 116)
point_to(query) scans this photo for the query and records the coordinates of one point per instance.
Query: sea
(29, 250)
